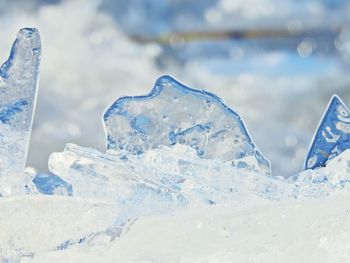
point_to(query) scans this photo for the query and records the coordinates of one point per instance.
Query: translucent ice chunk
(18, 84)
(332, 136)
(175, 114)
(160, 178)
(129, 183)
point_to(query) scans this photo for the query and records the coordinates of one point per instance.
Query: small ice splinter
(175, 114)
(18, 89)
(332, 136)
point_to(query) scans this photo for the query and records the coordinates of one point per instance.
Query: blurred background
(274, 62)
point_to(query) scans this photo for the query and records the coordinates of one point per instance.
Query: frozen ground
(315, 230)
(208, 211)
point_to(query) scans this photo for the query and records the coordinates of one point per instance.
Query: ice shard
(332, 137)
(173, 114)
(18, 85)
(131, 184)
(95, 174)
(159, 179)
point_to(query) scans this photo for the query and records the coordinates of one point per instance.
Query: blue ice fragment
(175, 114)
(18, 86)
(50, 184)
(7, 112)
(332, 136)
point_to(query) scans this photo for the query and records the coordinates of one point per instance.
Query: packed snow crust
(306, 231)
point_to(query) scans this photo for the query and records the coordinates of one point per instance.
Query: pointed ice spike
(175, 114)
(18, 85)
(332, 136)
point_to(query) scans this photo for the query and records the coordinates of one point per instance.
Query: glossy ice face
(18, 89)
(175, 114)
(332, 136)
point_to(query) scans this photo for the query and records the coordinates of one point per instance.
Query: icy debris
(18, 83)
(129, 183)
(37, 224)
(322, 182)
(332, 136)
(174, 114)
(160, 179)
(236, 196)
(206, 180)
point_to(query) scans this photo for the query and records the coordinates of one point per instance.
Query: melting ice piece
(332, 136)
(175, 114)
(18, 85)
(159, 179)
(95, 174)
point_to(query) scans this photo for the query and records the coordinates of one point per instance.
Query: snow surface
(36, 224)
(315, 230)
